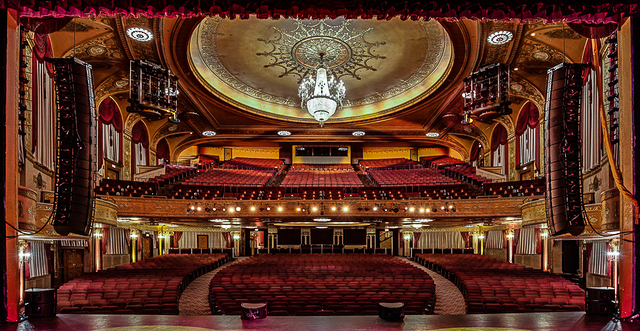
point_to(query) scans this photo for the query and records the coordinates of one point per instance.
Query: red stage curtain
(475, 151)
(504, 239)
(568, 10)
(139, 134)
(516, 237)
(127, 237)
(499, 137)
(162, 151)
(538, 241)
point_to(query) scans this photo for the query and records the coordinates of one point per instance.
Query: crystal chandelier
(321, 96)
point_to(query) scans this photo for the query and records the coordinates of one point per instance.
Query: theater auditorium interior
(333, 165)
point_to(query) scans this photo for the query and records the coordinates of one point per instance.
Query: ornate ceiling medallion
(300, 51)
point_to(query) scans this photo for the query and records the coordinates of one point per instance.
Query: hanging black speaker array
(563, 149)
(76, 146)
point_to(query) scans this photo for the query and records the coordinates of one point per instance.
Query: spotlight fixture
(421, 210)
(412, 209)
(345, 209)
(314, 208)
(231, 210)
(333, 208)
(252, 208)
(279, 208)
(375, 208)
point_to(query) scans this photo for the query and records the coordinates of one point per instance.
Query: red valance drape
(139, 134)
(475, 151)
(110, 114)
(528, 118)
(162, 151)
(416, 237)
(42, 50)
(568, 10)
(465, 237)
(499, 137)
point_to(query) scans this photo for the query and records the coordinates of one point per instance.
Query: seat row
(367, 165)
(321, 178)
(493, 286)
(150, 286)
(321, 284)
(252, 163)
(410, 177)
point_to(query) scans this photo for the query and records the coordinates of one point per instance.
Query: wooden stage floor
(490, 322)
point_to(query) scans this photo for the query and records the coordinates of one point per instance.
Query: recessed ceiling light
(433, 134)
(358, 133)
(284, 133)
(139, 34)
(343, 149)
(225, 226)
(208, 133)
(321, 227)
(500, 37)
(533, 34)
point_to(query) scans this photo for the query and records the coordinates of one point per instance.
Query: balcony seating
(410, 177)
(253, 164)
(321, 284)
(321, 178)
(439, 161)
(231, 177)
(338, 166)
(494, 286)
(126, 188)
(150, 286)
(397, 163)
(515, 189)
(466, 173)
(173, 173)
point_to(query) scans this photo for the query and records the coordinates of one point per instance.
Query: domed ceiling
(257, 64)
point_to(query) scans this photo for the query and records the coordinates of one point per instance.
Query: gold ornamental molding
(173, 208)
(610, 211)
(105, 212)
(534, 212)
(27, 209)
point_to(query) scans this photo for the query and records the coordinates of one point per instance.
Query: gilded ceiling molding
(112, 85)
(521, 87)
(508, 124)
(123, 37)
(131, 120)
(100, 48)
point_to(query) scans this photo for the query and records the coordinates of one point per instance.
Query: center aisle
(449, 299)
(194, 300)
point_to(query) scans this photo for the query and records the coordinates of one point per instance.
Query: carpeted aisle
(449, 299)
(194, 300)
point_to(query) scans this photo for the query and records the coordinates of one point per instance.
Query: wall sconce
(481, 237)
(510, 235)
(544, 233)
(407, 237)
(133, 235)
(236, 237)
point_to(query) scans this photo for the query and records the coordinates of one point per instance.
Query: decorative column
(97, 247)
(23, 258)
(236, 242)
(510, 236)
(273, 237)
(134, 244)
(371, 237)
(337, 237)
(511, 158)
(544, 236)
(126, 155)
(408, 247)
(613, 255)
(306, 236)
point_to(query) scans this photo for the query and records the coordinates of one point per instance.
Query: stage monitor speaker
(253, 311)
(40, 302)
(563, 149)
(75, 161)
(391, 311)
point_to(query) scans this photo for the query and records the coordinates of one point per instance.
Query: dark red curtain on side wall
(162, 152)
(475, 151)
(528, 118)
(537, 232)
(105, 240)
(465, 237)
(139, 135)
(108, 113)
(227, 238)
(176, 238)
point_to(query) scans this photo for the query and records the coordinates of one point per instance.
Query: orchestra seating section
(515, 189)
(494, 286)
(126, 188)
(464, 172)
(151, 286)
(254, 164)
(398, 163)
(440, 161)
(208, 161)
(410, 177)
(338, 166)
(174, 173)
(231, 177)
(322, 178)
(321, 285)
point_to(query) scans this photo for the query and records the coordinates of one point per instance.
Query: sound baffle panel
(76, 146)
(563, 149)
